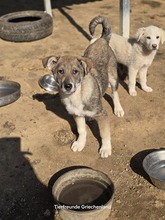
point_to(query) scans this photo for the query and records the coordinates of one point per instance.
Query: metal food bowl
(9, 92)
(48, 83)
(154, 165)
(84, 194)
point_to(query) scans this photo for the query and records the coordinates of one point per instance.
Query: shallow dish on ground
(9, 92)
(48, 83)
(84, 194)
(154, 165)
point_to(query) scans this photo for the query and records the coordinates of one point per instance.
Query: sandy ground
(36, 131)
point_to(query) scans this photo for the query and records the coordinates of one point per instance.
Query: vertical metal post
(124, 18)
(48, 8)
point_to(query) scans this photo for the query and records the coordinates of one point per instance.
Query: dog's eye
(148, 37)
(157, 37)
(75, 72)
(61, 71)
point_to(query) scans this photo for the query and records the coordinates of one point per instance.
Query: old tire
(25, 26)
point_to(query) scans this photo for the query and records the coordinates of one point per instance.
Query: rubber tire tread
(26, 31)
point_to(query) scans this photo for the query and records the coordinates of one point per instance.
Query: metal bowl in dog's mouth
(84, 194)
(154, 165)
(48, 83)
(9, 92)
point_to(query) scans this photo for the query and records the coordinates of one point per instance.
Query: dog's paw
(109, 85)
(105, 152)
(132, 92)
(119, 112)
(147, 89)
(77, 146)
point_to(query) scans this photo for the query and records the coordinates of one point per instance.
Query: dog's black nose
(68, 86)
(154, 46)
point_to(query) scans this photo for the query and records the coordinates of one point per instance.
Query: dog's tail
(106, 32)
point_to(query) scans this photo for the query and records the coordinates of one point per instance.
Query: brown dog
(82, 82)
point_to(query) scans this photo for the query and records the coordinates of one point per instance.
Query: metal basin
(48, 83)
(84, 194)
(154, 165)
(9, 92)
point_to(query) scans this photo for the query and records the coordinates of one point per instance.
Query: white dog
(137, 54)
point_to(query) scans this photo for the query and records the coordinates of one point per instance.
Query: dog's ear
(50, 62)
(86, 64)
(162, 35)
(140, 32)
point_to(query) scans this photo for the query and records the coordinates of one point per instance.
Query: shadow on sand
(10, 6)
(23, 196)
(136, 163)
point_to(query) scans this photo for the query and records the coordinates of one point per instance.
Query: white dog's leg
(113, 83)
(79, 144)
(132, 73)
(118, 110)
(143, 80)
(103, 123)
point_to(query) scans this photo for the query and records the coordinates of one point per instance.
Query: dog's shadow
(53, 103)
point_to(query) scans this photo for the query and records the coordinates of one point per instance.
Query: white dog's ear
(50, 62)
(140, 32)
(86, 64)
(162, 35)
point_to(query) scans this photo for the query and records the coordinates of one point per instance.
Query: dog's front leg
(79, 144)
(104, 127)
(132, 73)
(143, 79)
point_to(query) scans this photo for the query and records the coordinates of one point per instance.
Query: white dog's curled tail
(106, 32)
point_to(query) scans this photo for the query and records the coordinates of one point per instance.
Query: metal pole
(48, 8)
(124, 18)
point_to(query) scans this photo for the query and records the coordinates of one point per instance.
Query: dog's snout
(154, 46)
(68, 86)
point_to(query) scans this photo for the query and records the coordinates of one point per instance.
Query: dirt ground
(36, 131)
